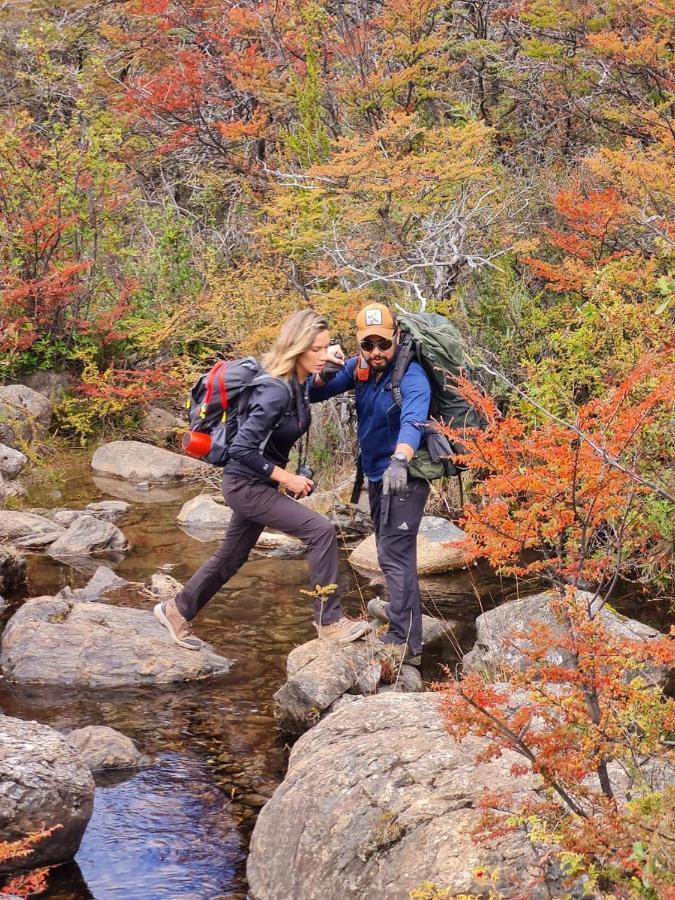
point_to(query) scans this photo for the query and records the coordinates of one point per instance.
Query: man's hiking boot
(344, 631)
(178, 627)
(401, 655)
(377, 609)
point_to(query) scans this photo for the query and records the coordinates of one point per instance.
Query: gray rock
(498, 647)
(205, 517)
(102, 747)
(52, 385)
(28, 529)
(108, 510)
(59, 642)
(138, 462)
(88, 535)
(102, 581)
(64, 517)
(43, 782)
(379, 799)
(437, 548)
(24, 414)
(407, 681)
(160, 424)
(12, 462)
(12, 568)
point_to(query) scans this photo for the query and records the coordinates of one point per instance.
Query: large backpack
(216, 403)
(438, 346)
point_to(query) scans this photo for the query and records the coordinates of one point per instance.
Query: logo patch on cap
(373, 317)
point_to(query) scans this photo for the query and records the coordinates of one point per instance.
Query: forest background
(175, 177)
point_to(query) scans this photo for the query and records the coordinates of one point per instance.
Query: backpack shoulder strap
(407, 352)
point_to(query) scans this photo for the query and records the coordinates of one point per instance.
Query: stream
(179, 829)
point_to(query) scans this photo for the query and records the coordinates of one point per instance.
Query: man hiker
(389, 435)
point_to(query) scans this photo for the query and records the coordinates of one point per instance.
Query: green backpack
(438, 346)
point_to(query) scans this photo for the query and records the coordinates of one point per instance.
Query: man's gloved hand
(330, 370)
(395, 478)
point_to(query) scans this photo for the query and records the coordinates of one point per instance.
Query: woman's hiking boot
(179, 628)
(344, 631)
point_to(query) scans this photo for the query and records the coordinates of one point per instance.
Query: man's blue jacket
(382, 423)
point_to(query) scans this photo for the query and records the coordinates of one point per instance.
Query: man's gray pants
(256, 505)
(396, 538)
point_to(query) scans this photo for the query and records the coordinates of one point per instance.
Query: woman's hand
(298, 485)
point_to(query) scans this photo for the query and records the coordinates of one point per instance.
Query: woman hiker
(251, 478)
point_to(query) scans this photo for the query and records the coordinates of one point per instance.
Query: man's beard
(381, 364)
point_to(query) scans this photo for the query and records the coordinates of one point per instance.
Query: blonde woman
(276, 415)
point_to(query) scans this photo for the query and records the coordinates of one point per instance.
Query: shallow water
(179, 830)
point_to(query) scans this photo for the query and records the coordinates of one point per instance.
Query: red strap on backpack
(218, 371)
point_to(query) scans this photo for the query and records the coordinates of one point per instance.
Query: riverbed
(179, 829)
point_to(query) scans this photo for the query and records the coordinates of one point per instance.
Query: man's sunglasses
(369, 346)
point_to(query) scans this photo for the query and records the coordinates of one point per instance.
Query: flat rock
(61, 642)
(105, 748)
(28, 529)
(138, 462)
(12, 462)
(12, 568)
(435, 550)
(24, 414)
(87, 534)
(498, 647)
(43, 782)
(378, 799)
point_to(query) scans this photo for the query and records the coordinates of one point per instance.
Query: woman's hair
(296, 335)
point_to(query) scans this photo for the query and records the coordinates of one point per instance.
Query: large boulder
(437, 549)
(12, 462)
(138, 462)
(28, 529)
(498, 646)
(58, 641)
(24, 414)
(87, 534)
(44, 782)
(12, 568)
(102, 748)
(378, 800)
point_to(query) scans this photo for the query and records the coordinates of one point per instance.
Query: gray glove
(329, 371)
(395, 478)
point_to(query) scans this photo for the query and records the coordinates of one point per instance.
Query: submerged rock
(43, 782)
(437, 549)
(24, 414)
(498, 646)
(101, 582)
(102, 748)
(138, 462)
(12, 568)
(378, 800)
(61, 642)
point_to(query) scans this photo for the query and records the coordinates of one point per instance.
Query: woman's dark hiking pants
(396, 538)
(255, 506)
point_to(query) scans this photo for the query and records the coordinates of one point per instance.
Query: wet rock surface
(104, 748)
(63, 642)
(393, 805)
(12, 568)
(87, 534)
(27, 529)
(139, 462)
(437, 549)
(44, 782)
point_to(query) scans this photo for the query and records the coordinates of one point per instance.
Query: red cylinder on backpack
(196, 444)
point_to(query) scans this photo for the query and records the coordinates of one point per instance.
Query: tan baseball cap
(375, 319)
